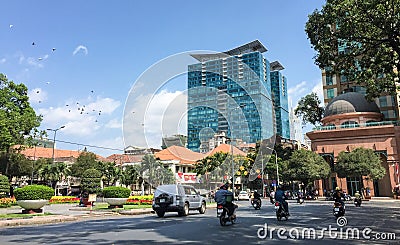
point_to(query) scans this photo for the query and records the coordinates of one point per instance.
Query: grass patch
(104, 206)
(24, 216)
(137, 206)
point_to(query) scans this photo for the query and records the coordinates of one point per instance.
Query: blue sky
(102, 47)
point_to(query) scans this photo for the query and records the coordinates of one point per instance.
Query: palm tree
(111, 173)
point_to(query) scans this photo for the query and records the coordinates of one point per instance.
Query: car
(177, 198)
(243, 195)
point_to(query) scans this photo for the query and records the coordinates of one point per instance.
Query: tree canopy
(307, 166)
(309, 109)
(367, 33)
(86, 160)
(18, 120)
(359, 162)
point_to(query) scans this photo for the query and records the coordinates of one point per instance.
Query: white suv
(177, 198)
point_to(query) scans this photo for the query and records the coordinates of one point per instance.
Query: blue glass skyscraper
(280, 99)
(230, 92)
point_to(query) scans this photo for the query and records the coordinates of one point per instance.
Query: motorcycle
(256, 203)
(280, 211)
(338, 210)
(357, 202)
(300, 200)
(222, 214)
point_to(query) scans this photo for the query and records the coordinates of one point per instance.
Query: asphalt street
(309, 223)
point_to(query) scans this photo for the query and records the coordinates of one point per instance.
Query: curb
(37, 220)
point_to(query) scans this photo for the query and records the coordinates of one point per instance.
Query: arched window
(331, 126)
(350, 124)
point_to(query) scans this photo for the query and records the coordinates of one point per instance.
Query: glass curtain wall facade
(230, 94)
(281, 107)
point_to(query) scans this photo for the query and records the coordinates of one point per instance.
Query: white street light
(54, 139)
(232, 162)
(276, 163)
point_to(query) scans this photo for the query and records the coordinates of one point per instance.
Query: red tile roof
(124, 158)
(42, 152)
(179, 153)
(225, 148)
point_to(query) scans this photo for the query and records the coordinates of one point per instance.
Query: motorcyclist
(280, 197)
(256, 195)
(220, 199)
(338, 196)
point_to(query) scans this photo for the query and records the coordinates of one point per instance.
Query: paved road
(382, 217)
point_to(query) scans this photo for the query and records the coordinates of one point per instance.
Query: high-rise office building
(230, 92)
(280, 100)
(336, 84)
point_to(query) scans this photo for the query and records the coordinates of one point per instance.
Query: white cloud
(79, 48)
(37, 95)
(82, 119)
(298, 89)
(114, 123)
(2, 61)
(318, 89)
(145, 123)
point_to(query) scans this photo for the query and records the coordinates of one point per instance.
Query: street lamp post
(54, 139)
(231, 142)
(54, 143)
(276, 163)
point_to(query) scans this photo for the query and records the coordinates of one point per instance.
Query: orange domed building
(349, 122)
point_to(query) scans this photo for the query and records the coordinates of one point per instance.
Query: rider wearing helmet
(338, 196)
(281, 197)
(221, 198)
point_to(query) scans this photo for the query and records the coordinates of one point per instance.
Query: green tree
(359, 162)
(85, 161)
(368, 32)
(111, 173)
(4, 186)
(309, 109)
(307, 166)
(18, 120)
(91, 181)
(152, 171)
(54, 172)
(129, 175)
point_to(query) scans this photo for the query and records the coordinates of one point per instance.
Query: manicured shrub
(4, 186)
(34, 192)
(91, 181)
(116, 192)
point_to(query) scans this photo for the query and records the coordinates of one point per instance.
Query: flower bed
(139, 200)
(63, 199)
(7, 202)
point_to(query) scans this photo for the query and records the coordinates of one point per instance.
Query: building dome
(348, 103)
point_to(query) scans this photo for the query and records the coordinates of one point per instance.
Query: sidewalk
(63, 213)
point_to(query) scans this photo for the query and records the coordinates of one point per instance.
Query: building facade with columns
(349, 122)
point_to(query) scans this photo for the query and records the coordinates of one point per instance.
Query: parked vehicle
(256, 203)
(280, 211)
(338, 210)
(177, 198)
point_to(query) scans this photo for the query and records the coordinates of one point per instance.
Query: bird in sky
(11, 26)
(33, 43)
(40, 58)
(53, 49)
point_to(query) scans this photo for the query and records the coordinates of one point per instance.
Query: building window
(330, 93)
(383, 101)
(350, 124)
(329, 80)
